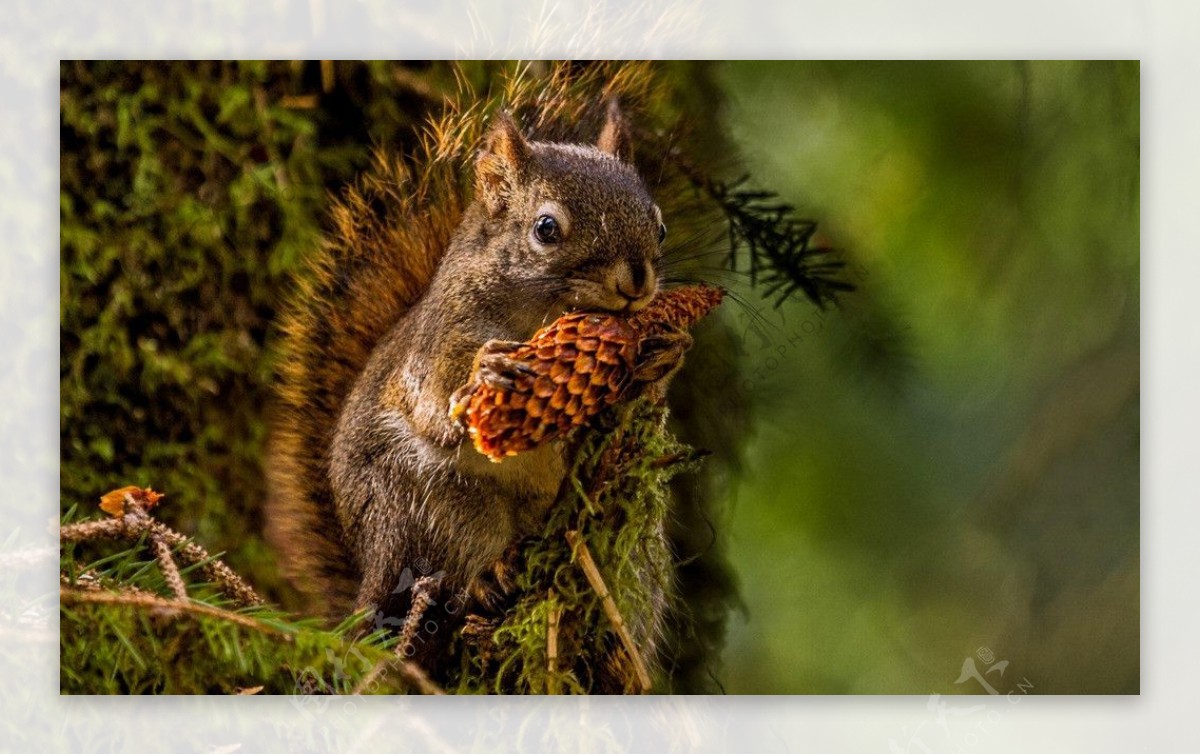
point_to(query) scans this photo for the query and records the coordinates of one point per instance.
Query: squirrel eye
(662, 232)
(547, 230)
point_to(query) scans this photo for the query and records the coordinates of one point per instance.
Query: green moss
(191, 193)
(152, 648)
(617, 500)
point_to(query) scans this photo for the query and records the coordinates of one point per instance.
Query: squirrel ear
(615, 138)
(501, 162)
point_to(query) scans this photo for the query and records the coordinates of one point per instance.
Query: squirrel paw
(660, 355)
(495, 367)
(498, 583)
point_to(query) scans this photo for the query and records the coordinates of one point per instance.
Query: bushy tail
(389, 232)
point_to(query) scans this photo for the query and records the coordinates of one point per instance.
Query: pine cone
(577, 366)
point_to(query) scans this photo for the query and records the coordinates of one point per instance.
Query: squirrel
(372, 482)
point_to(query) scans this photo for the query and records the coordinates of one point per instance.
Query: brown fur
(408, 491)
(367, 474)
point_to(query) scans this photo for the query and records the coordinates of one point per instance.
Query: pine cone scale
(579, 365)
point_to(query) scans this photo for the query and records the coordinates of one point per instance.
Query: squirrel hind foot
(493, 589)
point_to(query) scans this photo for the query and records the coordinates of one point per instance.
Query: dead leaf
(113, 502)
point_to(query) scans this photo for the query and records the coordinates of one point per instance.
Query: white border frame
(1162, 34)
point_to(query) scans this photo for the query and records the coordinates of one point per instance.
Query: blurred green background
(947, 463)
(951, 463)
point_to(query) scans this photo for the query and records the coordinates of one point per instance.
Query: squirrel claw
(459, 401)
(497, 377)
(498, 582)
(497, 346)
(495, 367)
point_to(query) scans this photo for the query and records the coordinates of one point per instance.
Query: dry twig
(592, 572)
(69, 595)
(552, 621)
(409, 672)
(416, 676)
(422, 597)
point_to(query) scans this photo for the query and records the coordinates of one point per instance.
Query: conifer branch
(230, 582)
(778, 242)
(129, 508)
(170, 571)
(422, 596)
(99, 529)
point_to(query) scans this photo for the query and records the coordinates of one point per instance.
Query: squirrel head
(573, 224)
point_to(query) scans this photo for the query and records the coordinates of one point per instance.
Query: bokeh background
(973, 481)
(944, 468)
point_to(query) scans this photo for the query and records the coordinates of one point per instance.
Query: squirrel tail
(369, 270)
(389, 232)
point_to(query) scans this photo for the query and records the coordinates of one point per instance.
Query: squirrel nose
(635, 280)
